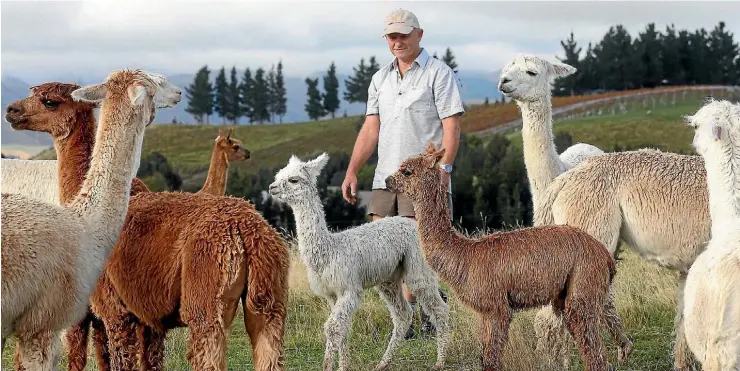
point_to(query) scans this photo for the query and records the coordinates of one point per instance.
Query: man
(412, 101)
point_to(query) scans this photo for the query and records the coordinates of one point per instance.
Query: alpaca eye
(406, 172)
(50, 104)
(293, 180)
(531, 73)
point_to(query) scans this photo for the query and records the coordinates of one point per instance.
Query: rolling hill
(188, 147)
(476, 86)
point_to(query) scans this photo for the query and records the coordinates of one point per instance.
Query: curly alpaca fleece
(340, 266)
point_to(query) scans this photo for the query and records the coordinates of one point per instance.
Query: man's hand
(349, 188)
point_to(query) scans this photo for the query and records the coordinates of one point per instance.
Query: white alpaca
(36, 179)
(53, 255)
(528, 80)
(712, 291)
(340, 266)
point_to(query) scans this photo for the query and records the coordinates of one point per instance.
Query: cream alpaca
(656, 202)
(712, 292)
(528, 80)
(43, 293)
(340, 266)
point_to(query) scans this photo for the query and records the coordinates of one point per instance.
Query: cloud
(46, 39)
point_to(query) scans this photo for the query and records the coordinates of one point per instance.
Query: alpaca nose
(505, 80)
(246, 152)
(12, 108)
(272, 188)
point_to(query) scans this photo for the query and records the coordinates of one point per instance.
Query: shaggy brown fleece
(503, 272)
(186, 260)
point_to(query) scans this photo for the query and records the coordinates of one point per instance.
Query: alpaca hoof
(438, 366)
(382, 366)
(624, 351)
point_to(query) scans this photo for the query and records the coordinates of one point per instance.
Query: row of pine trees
(617, 62)
(653, 58)
(262, 98)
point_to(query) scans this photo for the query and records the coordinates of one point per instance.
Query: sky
(45, 40)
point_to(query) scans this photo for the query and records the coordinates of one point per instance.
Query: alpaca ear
(319, 162)
(90, 93)
(228, 136)
(562, 69)
(430, 148)
(136, 94)
(433, 158)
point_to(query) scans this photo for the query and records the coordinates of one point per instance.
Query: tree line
(652, 58)
(262, 98)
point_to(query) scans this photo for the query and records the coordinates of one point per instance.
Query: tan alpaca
(528, 80)
(225, 149)
(52, 255)
(712, 291)
(501, 273)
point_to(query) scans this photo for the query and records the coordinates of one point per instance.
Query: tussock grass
(645, 295)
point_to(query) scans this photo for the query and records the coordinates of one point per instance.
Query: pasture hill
(628, 119)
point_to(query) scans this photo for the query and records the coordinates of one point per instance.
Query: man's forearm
(450, 138)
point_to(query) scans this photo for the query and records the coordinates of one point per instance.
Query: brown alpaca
(186, 260)
(50, 109)
(504, 272)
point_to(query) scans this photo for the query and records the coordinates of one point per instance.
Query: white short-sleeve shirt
(411, 110)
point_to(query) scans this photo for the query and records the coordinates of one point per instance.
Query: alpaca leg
(152, 348)
(207, 345)
(76, 337)
(439, 314)
(401, 316)
(100, 342)
(39, 351)
(553, 339)
(336, 330)
(495, 329)
(682, 356)
(266, 335)
(613, 323)
(123, 342)
(582, 319)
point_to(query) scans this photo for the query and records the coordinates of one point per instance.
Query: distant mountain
(476, 86)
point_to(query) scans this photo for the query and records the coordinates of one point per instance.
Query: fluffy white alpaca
(340, 266)
(528, 80)
(53, 255)
(712, 291)
(36, 179)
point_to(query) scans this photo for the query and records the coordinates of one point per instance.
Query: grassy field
(645, 293)
(645, 300)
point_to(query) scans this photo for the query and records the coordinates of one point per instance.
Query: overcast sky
(43, 40)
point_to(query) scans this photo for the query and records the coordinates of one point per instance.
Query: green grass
(663, 127)
(645, 300)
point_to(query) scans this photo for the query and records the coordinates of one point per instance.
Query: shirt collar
(420, 60)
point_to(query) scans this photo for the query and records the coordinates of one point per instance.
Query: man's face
(404, 46)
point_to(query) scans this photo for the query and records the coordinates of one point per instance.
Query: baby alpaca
(503, 272)
(712, 294)
(340, 266)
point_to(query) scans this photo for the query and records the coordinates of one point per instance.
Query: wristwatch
(446, 167)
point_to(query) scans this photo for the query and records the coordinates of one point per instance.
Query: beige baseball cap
(400, 21)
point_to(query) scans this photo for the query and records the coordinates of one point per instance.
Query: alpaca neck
(73, 155)
(313, 234)
(723, 181)
(215, 183)
(444, 248)
(540, 155)
(104, 194)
